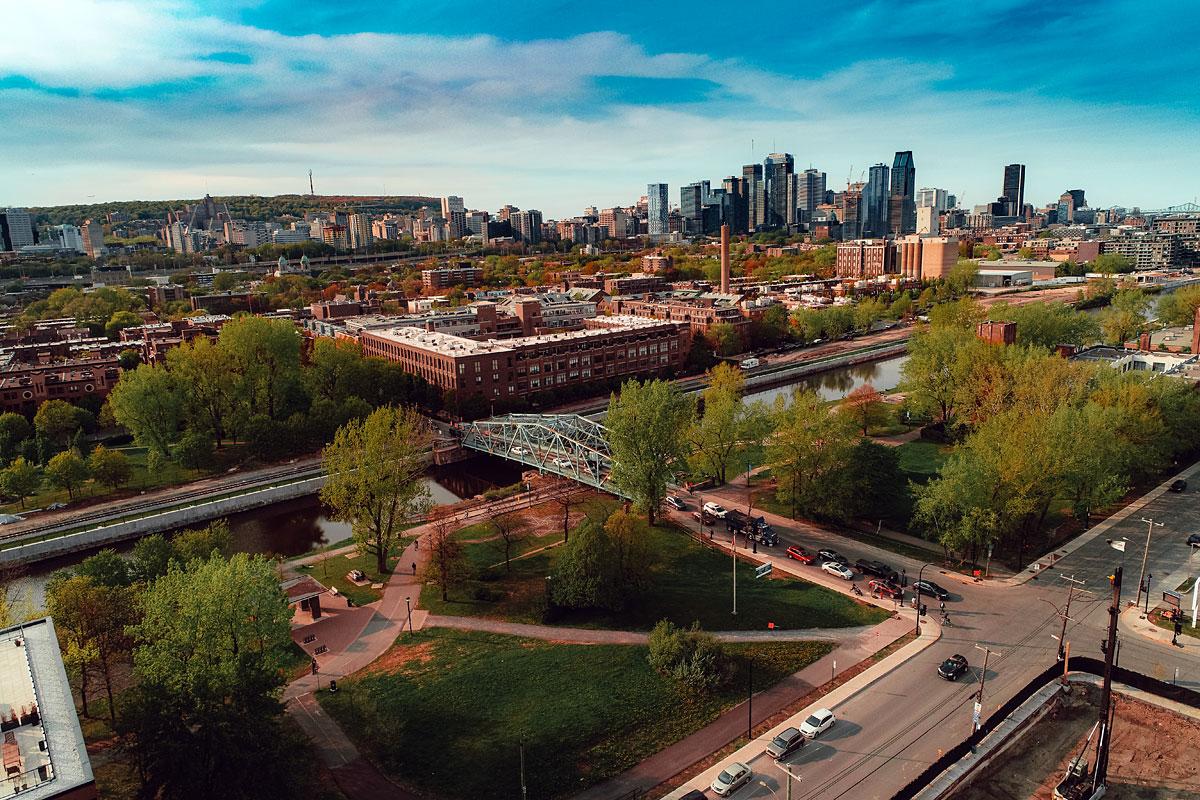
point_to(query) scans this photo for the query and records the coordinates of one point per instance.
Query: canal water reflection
(837, 383)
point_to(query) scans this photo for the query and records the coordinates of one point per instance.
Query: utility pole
(750, 697)
(1145, 552)
(523, 791)
(1072, 582)
(1110, 648)
(978, 712)
(733, 552)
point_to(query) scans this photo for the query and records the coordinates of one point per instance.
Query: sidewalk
(666, 764)
(551, 633)
(1134, 619)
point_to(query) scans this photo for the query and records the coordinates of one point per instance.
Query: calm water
(837, 383)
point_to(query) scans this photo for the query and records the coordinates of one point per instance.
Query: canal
(293, 527)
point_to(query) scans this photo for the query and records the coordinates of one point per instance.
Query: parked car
(931, 589)
(1179, 485)
(675, 503)
(878, 569)
(768, 537)
(749, 363)
(953, 667)
(1193, 539)
(715, 509)
(833, 555)
(840, 570)
(732, 778)
(787, 742)
(56, 506)
(356, 576)
(800, 554)
(817, 723)
(8, 519)
(884, 588)
(704, 518)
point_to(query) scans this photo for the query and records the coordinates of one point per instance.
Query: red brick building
(24, 387)
(607, 347)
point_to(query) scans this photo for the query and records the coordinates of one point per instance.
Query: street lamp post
(408, 605)
(1151, 525)
(733, 552)
(917, 588)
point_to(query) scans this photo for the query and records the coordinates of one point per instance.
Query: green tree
(647, 431)
(204, 373)
(938, 366)
(20, 479)
(147, 402)
(129, 359)
(109, 467)
(1125, 318)
(67, 470)
(808, 448)
(1112, 264)
(725, 423)
(58, 420)
(1047, 325)
(603, 567)
(375, 467)
(725, 339)
(91, 620)
(690, 656)
(151, 557)
(14, 430)
(1178, 307)
(214, 539)
(265, 357)
(512, 530)
(208, 664)
(119, 321)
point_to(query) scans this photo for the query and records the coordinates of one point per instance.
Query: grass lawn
(446, 710)
(922, 460)
(332, 569)
(690, 582)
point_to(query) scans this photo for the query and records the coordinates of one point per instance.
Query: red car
(800, 554)
(884, 589)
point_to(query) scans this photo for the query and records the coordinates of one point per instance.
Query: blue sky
(557, 105)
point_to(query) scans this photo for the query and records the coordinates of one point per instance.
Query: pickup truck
(757, 527)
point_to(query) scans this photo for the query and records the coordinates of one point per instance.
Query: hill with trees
(240, 206)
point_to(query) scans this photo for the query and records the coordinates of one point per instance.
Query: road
(888, 733)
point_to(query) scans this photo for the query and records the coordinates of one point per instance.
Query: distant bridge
(1184, 208)
(562, 444)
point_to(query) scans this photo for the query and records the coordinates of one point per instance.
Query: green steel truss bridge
(561, 444)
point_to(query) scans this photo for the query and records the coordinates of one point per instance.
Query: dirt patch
(1150, 757)
(399, 657)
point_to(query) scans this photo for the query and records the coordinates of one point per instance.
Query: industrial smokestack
(725, 259)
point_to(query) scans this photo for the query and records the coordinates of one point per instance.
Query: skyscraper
(902, 202)
(735, 191)
(810, 193)
(358, 229)
(20, 228)
(776, 169)
(1014, 189)
(691, 207)
(938, 199)
(527, 225)
(850, 210)
(875, 203)
(656, 209)
(92, 234)
(450, 204)
(756, 204)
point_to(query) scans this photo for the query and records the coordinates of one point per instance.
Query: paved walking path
(551, 633)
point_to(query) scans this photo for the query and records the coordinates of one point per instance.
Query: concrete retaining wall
(196, 514)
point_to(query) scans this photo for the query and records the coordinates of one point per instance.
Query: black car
(786, 743)
(930, 589)
(1193, 539)
(953, 667)
(878, 569)
(832, 555)
(695, 794)
(1179, 485)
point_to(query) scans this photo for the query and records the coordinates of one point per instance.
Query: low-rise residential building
(866, 258)
(44, 753)
(24, 387)
(632, 284)
(607, 347)
(698, 310)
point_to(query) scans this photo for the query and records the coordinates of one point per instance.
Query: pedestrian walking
(414, 568)
(417, 544)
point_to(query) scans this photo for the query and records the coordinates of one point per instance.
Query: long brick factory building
(607, 347)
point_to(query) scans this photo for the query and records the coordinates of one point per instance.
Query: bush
(690, 656)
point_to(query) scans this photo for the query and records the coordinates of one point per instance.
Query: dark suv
(878, 569)
(1179, 485)
(786, 743)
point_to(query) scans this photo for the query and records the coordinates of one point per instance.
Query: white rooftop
(449, 344)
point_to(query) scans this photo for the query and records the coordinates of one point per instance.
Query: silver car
(732, 778)
(787, 742)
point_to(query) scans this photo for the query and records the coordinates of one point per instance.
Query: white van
(749, 363)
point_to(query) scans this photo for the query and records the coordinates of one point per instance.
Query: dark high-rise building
(739, 206)
(756, 206)
(1077, 196)
(849, 207)
(1014, 189)
(875, 223)
(810, 193)
(656, 209)
(777, 168)
(902, 202)
(691, 207)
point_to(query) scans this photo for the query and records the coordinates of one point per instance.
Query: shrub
(690, 656)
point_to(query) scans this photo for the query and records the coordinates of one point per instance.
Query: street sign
(1172, 598)
(975, 716)
(763, 571)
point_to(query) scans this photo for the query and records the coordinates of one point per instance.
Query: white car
(817, 723)
(840, 570)
(715, 509)
(675, 503)
(732, 778)
(563, 463)
(519, 451)
(749, 363)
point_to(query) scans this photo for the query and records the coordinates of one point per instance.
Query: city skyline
(556, 111)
